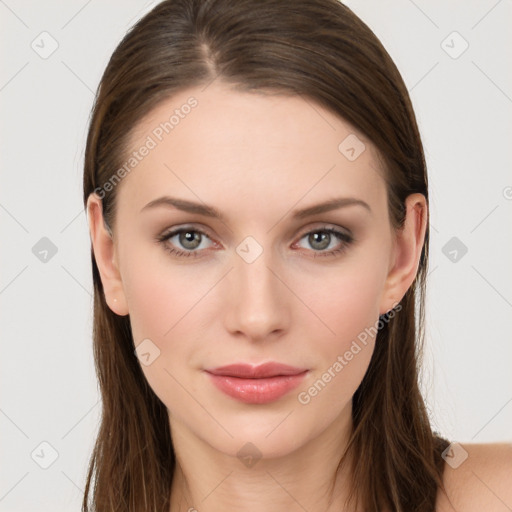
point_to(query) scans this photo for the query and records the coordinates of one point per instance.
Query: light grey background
(49, 392)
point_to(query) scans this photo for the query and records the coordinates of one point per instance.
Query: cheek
(346, 299)
(347, 303)
(158, 293)
(152, 305)
(167, 302)
(156, 305)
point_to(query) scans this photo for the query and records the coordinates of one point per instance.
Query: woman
(257, 199)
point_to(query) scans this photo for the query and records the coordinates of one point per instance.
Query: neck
(307, 478)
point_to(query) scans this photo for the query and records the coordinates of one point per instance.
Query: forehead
(222, 145)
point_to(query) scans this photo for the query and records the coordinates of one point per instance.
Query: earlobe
(105, 256)
(408, 245)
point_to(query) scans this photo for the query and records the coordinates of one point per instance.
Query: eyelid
(319, 226)
(199, 228)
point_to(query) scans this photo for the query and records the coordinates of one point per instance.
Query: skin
(256, 158)
(482, 482)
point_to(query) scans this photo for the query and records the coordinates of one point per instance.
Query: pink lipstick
(256, 384)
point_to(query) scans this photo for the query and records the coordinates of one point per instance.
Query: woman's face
(262, 282)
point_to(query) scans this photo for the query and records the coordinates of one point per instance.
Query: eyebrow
(210, 211)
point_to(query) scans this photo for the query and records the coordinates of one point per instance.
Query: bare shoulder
(477, 477)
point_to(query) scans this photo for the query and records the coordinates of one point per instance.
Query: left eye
(321, 239)
(189, 239)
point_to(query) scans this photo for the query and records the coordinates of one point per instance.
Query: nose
(257, 305)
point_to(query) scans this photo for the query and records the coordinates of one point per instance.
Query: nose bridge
(257, 302)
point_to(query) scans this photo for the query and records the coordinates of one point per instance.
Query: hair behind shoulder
(321, 50)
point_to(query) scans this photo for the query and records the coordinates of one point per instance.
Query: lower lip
(257, 391)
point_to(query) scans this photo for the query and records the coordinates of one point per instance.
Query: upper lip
(248, 371)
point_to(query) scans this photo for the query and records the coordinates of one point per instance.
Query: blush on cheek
(349, 306)
(156, 302)
(349, 309)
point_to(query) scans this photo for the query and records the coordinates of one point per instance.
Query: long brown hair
(321, 50)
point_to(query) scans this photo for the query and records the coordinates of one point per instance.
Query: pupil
(189, 239)
(320, 240)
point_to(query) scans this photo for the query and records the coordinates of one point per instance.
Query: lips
(256, 384)
(246, 371)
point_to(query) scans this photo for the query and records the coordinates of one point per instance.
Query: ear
(407, 248)
(106, 256)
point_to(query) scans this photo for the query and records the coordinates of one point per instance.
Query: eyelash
(345, 238)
